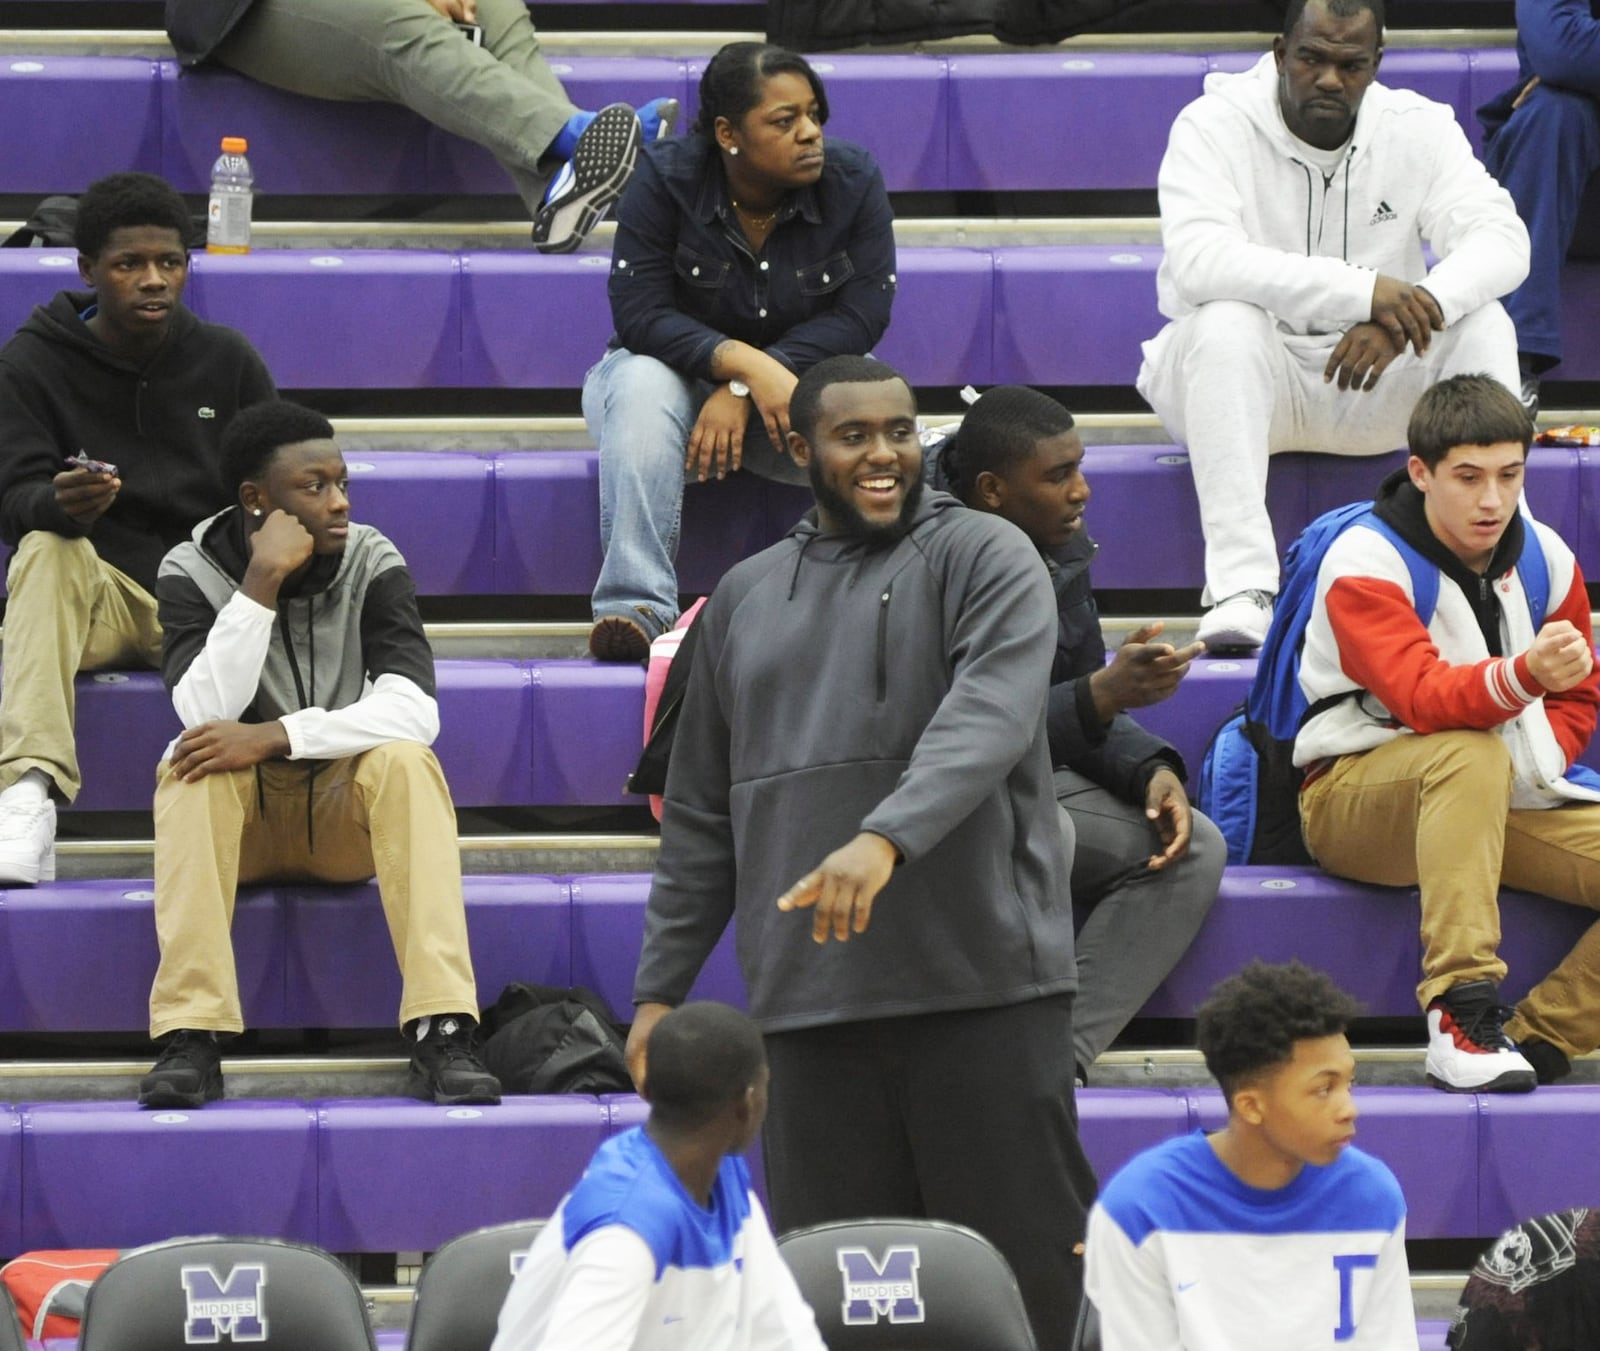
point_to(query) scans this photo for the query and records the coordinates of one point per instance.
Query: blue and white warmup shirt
(631, 1262)
(1183, 1256)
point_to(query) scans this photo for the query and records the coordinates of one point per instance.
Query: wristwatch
(739, 389)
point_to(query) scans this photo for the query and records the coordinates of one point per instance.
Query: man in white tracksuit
(1295, 201)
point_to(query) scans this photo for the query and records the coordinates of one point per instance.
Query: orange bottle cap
(234, 145)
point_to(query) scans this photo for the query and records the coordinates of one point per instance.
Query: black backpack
(554, 1039)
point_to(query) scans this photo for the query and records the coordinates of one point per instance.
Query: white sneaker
(1236, 624)
(588, 183)
(28, 842)
(1467, 1050)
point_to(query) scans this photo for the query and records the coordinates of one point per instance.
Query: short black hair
(731, 84)
(1251, 1021)
(701, 1057)
(1001, 428)
(122, 200)
(1342, 9)
(259, 432)
(1466, 410)
(840, 370)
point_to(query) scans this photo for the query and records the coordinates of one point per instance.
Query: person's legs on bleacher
(1140, 922)
(1556, 853)
(1430, 812)
(502, 95)
(67, 611)
(640, 412)
(1544, 156)
(387, 812)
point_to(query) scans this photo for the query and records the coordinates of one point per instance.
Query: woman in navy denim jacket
(744, 255)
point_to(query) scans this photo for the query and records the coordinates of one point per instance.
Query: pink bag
(662, 651)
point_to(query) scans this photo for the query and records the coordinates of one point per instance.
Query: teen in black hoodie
(128, 377)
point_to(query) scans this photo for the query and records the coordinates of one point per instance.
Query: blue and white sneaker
(657, 118)
(590, 181)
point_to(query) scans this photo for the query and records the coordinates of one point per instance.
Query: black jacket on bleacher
(62, 390)
(197, 27)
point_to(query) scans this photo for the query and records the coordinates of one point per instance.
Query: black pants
(967, 1117)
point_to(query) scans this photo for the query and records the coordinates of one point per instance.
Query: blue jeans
(640, 412)
(1544, 156)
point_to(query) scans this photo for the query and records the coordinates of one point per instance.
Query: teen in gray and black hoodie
(299, 669)
(875, 685)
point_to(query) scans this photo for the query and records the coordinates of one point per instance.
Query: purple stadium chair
(1144, 516)
(1490, 72)
(944, 314)
(532, 320)
(382, 1162)
(1065, 119)
(1114, 1124)
(898, 107)
(1073, 315)
(11, 1180)
(102, 932)
(587, 720)
(116, 96)
(109, 1175)
(438, 508)
(607, 928)
(368, 319)
(1530, 1159)
(485, 743)
(1365, 935)
(298, 145)
(1214, 687)
(340, 969)
(30, 277)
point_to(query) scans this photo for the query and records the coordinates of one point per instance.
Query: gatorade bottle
(228, 218)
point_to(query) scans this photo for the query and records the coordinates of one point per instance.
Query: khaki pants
(1434, 812)
(68, 611)
(385, 812)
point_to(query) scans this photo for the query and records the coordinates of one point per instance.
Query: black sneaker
(445, 1068)
(188, 1072)
(588, 183)
(1549, 1062)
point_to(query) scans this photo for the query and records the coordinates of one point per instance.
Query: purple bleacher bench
(80, 955)
(396, 1175)
(108, 1175)
(388, 319)
(10, 1181)
(42, 97)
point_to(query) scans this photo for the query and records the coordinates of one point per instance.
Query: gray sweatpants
(502, 95)
(1139, 922)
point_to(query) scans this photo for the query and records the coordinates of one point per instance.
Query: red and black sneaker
(1468, 1050)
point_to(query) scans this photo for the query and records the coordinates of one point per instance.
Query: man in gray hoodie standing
(864, 738)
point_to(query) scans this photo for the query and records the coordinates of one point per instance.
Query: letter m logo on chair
(219, 1308)
(875, 1289)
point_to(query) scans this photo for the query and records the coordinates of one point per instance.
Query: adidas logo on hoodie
(1383, 213)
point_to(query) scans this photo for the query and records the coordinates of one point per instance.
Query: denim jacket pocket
(695, 269)
(828, 275)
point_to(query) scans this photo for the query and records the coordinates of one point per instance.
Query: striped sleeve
(1384, 647)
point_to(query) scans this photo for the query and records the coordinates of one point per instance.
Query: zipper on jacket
(883, 643)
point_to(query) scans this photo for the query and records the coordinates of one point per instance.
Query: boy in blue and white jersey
(1275, 1231)
(662, 1244)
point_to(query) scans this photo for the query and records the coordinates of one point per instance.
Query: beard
(849, 516)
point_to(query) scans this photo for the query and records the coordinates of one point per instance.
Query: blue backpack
(1248, 781)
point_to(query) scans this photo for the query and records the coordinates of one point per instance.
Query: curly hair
(122, 200)
(1251, 1021)
(259, 432)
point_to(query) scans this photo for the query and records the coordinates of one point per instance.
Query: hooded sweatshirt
(1247, 215)
(1467, 669)
(342, 662)
(62, 390)
(842, 686)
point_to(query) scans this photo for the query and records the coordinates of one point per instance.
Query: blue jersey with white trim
(1183, 1256)
(632, 1262)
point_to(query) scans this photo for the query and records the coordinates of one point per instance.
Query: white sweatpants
(1233, 386)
